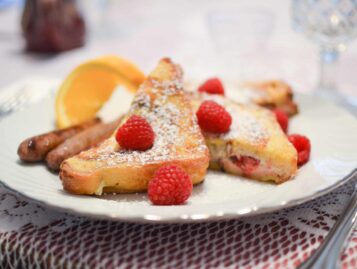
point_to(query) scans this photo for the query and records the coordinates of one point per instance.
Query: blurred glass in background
(330, 24)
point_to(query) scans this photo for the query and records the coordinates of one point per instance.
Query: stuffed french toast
(255, 146)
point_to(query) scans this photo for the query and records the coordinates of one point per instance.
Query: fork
(327, 256)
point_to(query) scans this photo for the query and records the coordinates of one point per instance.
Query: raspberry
(302, 146)
(282, 119)
(171, 185)
(212, 117)
(212, 86)
(135, 134)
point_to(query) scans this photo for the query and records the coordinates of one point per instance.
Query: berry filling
(246, 163)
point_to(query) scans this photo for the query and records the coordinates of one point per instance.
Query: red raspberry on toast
(212, 86)
(213, 117)
(135, 134)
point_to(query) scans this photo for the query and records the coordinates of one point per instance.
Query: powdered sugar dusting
(177, 134)
(246, 123)
(246, 126)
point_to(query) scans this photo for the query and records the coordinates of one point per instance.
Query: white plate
(332, 131)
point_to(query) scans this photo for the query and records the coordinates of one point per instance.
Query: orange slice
(90, 85)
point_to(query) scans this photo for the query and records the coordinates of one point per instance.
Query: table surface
(32, 236)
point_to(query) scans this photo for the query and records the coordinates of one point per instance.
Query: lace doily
(32, 236)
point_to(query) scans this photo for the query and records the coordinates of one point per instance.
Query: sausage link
(79, 142)
(35, 149)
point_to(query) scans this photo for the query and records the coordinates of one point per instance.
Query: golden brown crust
(276, 94)
(76, 182)
(129, 178)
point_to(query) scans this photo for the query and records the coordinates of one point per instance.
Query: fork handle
(327, 256)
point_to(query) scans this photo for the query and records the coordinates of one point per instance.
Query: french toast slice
(272, 94)
(178, 140)
(266, 93)
(255, 146)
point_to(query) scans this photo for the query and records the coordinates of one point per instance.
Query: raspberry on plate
(302, 146)
(171, 185)
(213, 118)
(135, 134)
(212, 86)
(282, 119)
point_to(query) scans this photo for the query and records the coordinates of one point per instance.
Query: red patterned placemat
(32, 236)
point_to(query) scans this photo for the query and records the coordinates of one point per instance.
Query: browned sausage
(36, 148)
(79, 142)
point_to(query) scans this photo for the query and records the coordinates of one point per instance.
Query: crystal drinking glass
(331, 24)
